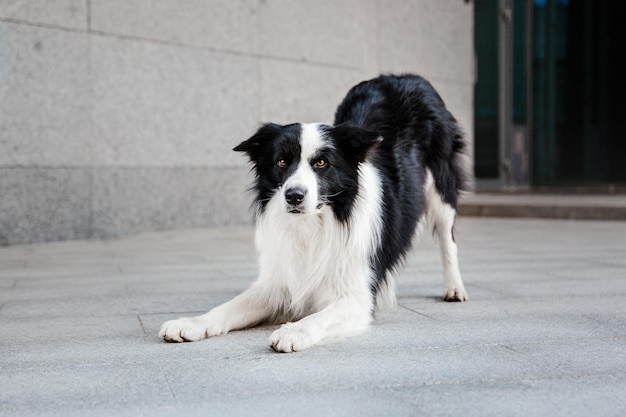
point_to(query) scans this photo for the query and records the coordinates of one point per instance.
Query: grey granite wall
(119, 116)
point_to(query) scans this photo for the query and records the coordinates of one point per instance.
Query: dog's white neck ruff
(308, 261)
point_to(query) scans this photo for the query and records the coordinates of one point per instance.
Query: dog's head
(304, 167)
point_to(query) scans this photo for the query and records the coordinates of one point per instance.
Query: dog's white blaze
(310, 140)
(304, 177)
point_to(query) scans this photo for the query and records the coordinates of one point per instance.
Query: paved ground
(544, 332)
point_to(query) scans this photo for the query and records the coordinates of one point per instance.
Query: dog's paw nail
(455, 294)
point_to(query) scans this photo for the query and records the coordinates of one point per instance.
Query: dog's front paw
(183, 330)
(454, 294)
(291, 337)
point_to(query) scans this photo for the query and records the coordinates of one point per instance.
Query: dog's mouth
(301, 210)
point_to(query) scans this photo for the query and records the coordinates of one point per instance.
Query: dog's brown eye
(281, 163)
(320, 163)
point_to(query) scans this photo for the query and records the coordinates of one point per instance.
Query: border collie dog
(336, 211)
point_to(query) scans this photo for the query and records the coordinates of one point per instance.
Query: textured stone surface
(576, 206)
(44, 204)
(218, 24)
(160, 105)
(542, 334)
(146, 95)
(64, 13)
(44, 97)
(47, 204)
(130, 200)
(292, 92)
(335, 33)
(408, 43)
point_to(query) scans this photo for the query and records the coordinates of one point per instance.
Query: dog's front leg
(343, 318)
(245, 310)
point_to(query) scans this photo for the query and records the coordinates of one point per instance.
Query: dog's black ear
(354, 142)
(253, 145)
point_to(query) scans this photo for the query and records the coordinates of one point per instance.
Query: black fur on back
(418, 132)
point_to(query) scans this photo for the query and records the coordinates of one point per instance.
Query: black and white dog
(336, 210)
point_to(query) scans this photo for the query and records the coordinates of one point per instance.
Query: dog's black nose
(295, 196)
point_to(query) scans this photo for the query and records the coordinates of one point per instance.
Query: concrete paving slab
(543, 333)
(577, 396)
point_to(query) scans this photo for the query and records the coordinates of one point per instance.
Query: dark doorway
(578, 91)
(566, 69)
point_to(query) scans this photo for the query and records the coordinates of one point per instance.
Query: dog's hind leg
(442, 217)
(453, 288)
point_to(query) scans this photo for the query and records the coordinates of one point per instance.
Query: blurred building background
(119, 116)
